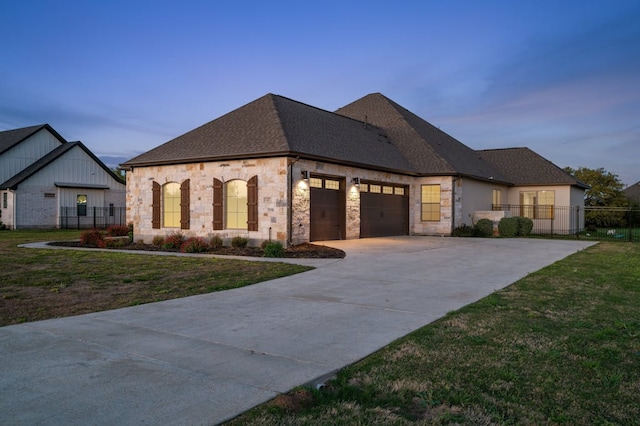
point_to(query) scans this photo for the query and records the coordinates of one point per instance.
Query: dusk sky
(560, 77)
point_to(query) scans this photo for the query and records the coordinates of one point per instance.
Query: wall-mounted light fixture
(356, 181)
(305, 175)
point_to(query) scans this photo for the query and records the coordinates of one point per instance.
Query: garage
(384, 209)
(327, 208)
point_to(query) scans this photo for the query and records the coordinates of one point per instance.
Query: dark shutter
(184, 205)
(155, 215)
(252, 204)
(217, 204)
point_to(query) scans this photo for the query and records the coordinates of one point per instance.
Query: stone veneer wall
(272, 197)
(273, 202)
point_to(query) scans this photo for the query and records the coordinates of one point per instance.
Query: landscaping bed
(305, 250)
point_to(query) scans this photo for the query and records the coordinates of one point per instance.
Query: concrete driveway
(205, 359)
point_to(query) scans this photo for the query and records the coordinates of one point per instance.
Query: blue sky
(560, 77)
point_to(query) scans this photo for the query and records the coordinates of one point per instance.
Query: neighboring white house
(47, 182)
(280, 169)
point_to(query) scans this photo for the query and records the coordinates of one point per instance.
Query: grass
(37, 284)
(561, 346)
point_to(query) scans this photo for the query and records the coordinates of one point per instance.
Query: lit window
(315, 182)
(387, 189)
(364, 187)
(236, 205)
(171, 205)
(537, 204)
(81, 203)
(331, 184)
(398, 191)
(496, 199)
(375, 188)
(431, 202)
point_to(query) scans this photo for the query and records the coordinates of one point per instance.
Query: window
(364, 187)
(375, 188)
(497, 199)
(537, 204)
(331, 184)
(315, 183)
(171, 205)
(431, 202)
(398, 191)
(4, 200)
(387, 189)
(81, 203)
(111, 209)
(236, 204)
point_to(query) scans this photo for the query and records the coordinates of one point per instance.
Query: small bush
(194, 245)
(92, 238)
(115, 242)
(173, 241)
(273, 249)
(525, 225)
(239, 242)
(158, 241)
(463, 231)
(118, 231)
(508, 227)
(216, 242)
(484, 228)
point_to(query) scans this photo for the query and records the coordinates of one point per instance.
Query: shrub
(118, 231)
(158, 240)
(508, 226)
(239, 242)
(92, 238)
(115, 242)
(463, 231)
(484, 228)
(173, 241)
(194, 245)
(216, 242)
(525, 225)
(273, 249)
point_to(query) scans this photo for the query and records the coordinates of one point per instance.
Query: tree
(605, 192)
(120, 173)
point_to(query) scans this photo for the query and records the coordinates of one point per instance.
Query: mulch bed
(305, 250)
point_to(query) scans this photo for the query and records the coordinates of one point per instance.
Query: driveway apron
(205, 359)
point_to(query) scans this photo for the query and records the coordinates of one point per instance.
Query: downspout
(453, 201)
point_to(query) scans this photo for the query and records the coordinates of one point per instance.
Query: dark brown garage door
(384, 210)
(327, 208)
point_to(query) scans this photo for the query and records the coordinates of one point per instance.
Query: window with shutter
(155, 209)
(252, 204)
(217, 204)
(184, 204)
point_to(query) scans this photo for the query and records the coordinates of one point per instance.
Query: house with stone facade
(45, 180)
(278, 169)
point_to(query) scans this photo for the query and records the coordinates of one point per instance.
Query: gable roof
(13, 182)
(274, 126)
(11, 138)
(524, 167)
(430, 150)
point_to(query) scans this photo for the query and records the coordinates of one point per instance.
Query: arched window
(236, 204)
(171, 205)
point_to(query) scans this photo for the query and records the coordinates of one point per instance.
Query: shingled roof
(526, 168)
(275, 126)
(11, 138)
(430, 150)
(633, 192)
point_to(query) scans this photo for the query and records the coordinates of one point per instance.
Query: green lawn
(38, 284)
(561, 346)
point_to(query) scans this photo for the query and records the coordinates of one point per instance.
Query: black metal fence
(93, 217)
(600, 223)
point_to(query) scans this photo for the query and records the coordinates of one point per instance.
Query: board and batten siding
(75, 166)
(26, 153)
